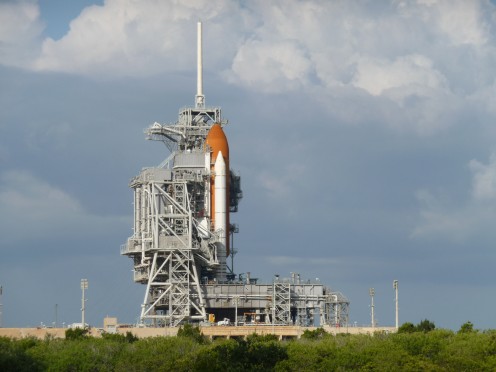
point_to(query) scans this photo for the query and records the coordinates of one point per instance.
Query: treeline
(415, 348)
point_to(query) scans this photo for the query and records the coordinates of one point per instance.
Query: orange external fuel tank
(217, 141)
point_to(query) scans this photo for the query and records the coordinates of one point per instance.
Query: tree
(263, 352)
(467, 327)
(425, 326)
(407, 328)
(222, 355)
(129, 337)
(14, 355)
(159, 354)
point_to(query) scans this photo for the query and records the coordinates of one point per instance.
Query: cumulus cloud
(377, 76)
(346, 43)
(260, 43)
(271, 67)
(421, 59)
(129, 38)
(464, 22)
(20, 32)
(440, 216)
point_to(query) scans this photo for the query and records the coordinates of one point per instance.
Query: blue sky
(364, 133)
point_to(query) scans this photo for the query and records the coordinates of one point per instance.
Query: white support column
(147, 292)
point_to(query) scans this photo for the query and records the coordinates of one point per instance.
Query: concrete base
(282, 332)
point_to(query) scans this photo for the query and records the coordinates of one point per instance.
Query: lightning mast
(200, 98)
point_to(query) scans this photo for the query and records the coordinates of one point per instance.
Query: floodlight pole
(84, 286)
(372, 293)
(395, 286)
(1, 305)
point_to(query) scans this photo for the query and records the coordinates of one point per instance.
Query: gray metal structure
(174, 244)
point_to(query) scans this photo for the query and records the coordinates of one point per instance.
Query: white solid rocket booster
(220, 212)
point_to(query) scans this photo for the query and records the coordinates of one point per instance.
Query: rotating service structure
(182, 235)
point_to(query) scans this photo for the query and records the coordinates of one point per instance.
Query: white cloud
(457, 21)
(125, 37)
(260, 45)
(272, 67)
(377, 76)
(463, 22)
(422, 59)
(20, 32)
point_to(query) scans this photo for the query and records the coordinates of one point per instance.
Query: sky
(364, 133)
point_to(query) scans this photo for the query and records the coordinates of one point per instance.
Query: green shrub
(191, 332)
(75, 333)
(314, 335)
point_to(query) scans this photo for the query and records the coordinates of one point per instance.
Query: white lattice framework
(166, 248)
(336, 310)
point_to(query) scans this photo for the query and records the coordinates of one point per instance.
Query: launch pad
(182, 236)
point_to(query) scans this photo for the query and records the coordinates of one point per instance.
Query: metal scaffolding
(281, 303)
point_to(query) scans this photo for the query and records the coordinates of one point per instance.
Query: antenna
(199, 98)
